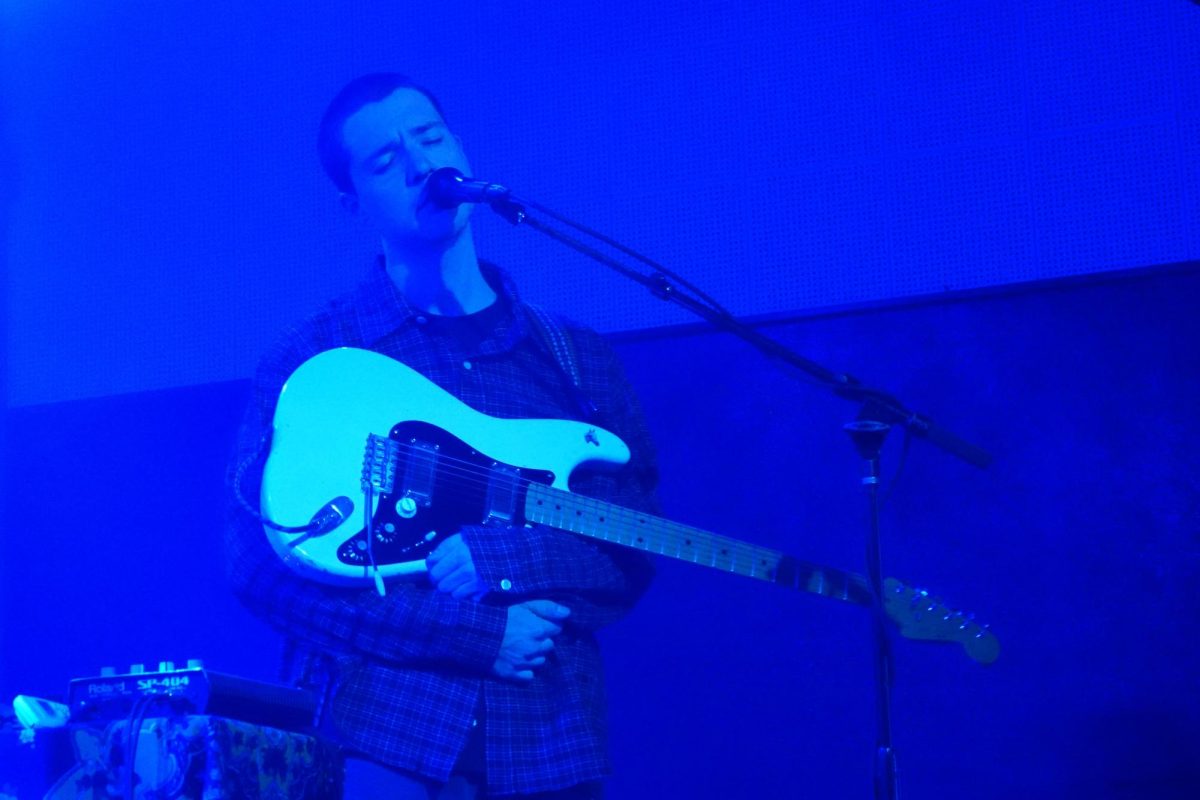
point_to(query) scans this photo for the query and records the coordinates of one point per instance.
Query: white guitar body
(327, 412)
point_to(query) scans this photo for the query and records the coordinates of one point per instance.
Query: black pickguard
(457, 495)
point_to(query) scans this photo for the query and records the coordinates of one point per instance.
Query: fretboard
(596, 519)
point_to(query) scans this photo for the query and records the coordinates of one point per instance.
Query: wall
(166, 214)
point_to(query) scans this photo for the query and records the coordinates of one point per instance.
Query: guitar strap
(557, 342)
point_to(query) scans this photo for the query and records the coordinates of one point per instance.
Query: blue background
(168, 215)
(990, 211)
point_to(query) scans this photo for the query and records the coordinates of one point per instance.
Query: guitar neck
(596, 519)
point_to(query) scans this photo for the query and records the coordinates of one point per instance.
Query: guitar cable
(329, 516)
(138, 713)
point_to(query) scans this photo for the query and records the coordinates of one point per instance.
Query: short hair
(354, 95)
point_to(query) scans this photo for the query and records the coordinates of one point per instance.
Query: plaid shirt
(409, 668)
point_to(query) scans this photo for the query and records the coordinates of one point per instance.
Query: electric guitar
(419, 464)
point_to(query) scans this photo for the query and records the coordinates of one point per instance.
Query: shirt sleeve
(412, 624)
(600, 581)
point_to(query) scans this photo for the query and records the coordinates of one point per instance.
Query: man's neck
(441, 281)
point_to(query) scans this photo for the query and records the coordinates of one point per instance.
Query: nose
(419, 165)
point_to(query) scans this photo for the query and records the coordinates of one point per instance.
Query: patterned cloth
(200, 758)
(410, 667)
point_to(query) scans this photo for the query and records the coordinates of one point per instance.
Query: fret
(599, 520)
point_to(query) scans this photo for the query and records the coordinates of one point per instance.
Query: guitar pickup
(503, 492)
(420, 472)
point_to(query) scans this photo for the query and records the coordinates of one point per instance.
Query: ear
(349, 202)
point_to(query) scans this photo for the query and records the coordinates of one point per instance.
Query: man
(483, 679)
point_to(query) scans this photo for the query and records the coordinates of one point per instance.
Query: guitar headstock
(920, 615)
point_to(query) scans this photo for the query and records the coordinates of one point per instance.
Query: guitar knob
(406, 507)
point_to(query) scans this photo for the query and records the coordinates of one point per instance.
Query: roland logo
(106, 689)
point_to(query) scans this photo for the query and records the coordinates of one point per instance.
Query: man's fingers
(447, 583)
(547, 609)
(447, 564)
(447, 556)
(464, 590)
(528, 638)
(456, 580)
(437, 569)
(548, 629)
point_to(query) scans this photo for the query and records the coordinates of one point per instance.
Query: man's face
(393, 145)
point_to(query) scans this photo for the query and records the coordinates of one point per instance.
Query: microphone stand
(879, 411)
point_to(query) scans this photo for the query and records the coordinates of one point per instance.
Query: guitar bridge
(379, 464)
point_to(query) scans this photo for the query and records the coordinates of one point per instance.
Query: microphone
(448, 188)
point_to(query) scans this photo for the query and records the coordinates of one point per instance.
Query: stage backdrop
(1079, 545)
(167, 214)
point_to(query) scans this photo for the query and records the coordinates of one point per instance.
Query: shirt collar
(383, 308)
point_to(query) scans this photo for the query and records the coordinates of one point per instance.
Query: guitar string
(466, 475)
(680, 537)
(621, 528)
(812, 578)
(471, 474)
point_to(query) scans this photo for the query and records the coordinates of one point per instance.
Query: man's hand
(528, 638)
(452, 571)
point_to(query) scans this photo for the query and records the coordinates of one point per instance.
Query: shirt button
(506, 584)
(422, 320)
(474, 723)
(466, 365)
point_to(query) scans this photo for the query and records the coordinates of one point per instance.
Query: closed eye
(381, 165)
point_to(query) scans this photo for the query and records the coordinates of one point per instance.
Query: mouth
(423, 198)
(427, 205)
